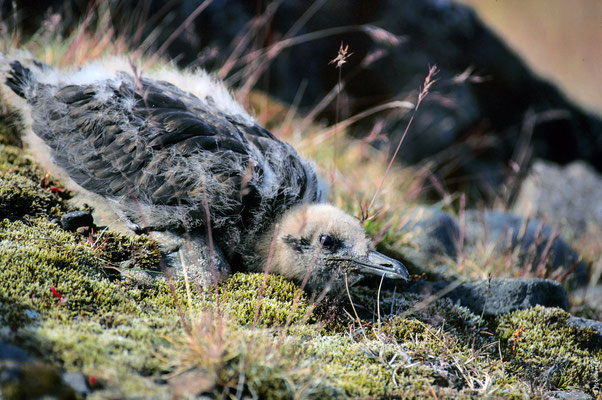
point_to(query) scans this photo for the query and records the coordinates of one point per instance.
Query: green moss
(126, 358)
(109, 328)
(274, 372)
(24, 190)
(139, 251)
(540, 346)
(226, 362)
(356, 368)
(439, 348)
(13, 160)
(281, 301)
(92, 346)
(20, 196)
(36, 256)
(119, 329)
(404, 330)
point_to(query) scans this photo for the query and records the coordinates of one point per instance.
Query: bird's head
(321, 245)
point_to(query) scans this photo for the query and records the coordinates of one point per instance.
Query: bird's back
(165, 156)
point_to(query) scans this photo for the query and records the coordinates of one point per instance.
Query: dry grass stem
(428, 82)
(185, 24)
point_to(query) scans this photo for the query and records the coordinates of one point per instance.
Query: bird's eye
(327, 241)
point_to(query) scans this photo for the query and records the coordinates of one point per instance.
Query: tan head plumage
(321, 245)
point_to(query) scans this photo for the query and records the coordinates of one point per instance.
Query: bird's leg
(190, 256)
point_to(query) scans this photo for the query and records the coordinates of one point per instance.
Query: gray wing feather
(154, 143)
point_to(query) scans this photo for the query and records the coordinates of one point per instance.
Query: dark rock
(534, 240)
(498, 296)
(12, 352)
(429, 288)
(434, 236)
(569, 197)
(433, 231)
(76, 219)
(10, 358)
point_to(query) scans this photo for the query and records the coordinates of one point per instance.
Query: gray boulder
(567, 196)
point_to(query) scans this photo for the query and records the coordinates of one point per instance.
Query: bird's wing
(152, 141)
(180, 116)
(129, 138)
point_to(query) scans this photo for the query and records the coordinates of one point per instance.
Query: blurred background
(560, 40)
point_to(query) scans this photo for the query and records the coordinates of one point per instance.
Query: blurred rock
(433, 231)
(24, 377)
(433, 234)
(533, 239)
(13, 353)
(469, 125)
(569, 197)
(77, 381)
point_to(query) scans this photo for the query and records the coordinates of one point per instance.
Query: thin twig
(354, 310)
(382, 278)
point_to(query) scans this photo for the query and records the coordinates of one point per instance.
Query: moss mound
(61, 304)
(264, 300)
(24, 190)
(118, 250)
(541, 347)
(43, 267)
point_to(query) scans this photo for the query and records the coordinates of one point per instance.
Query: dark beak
(378, 264)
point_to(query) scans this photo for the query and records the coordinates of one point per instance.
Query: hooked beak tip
(379, 264)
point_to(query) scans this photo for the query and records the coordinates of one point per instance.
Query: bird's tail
(17, 74)
(18, 78)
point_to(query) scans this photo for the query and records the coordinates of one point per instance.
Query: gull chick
(174, 152)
